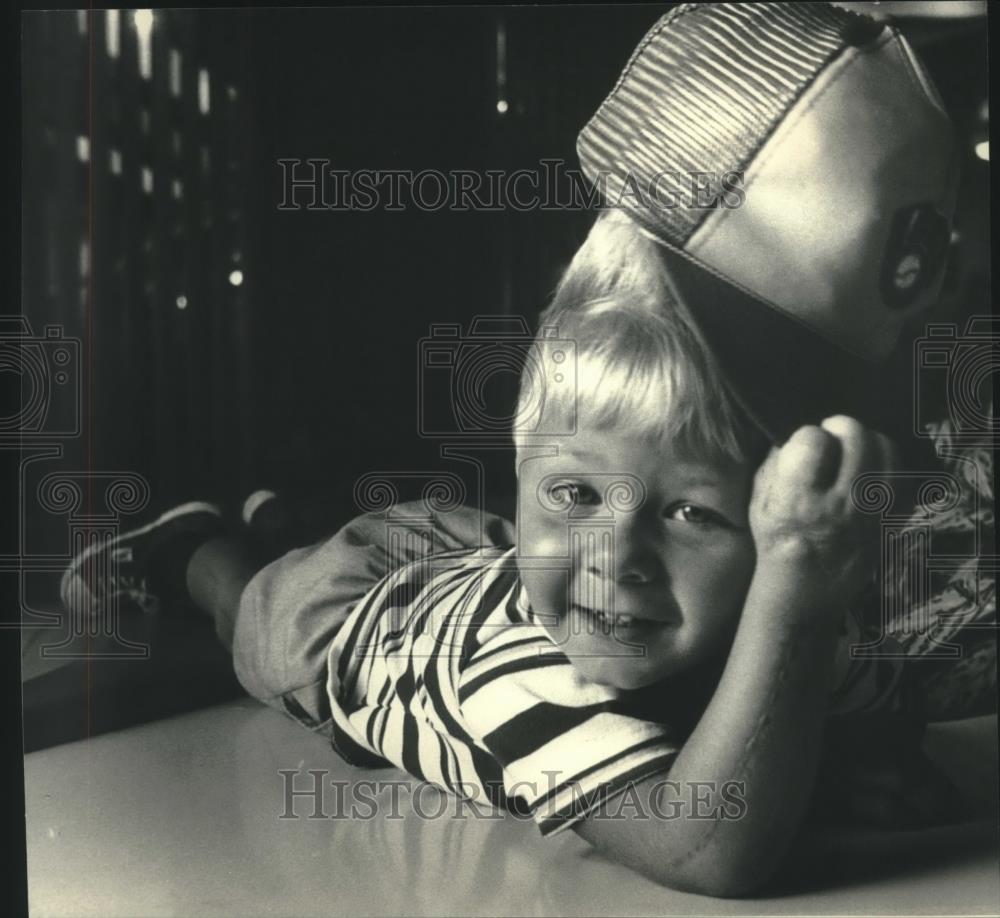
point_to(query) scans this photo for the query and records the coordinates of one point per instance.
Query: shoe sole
(254, 502)
(194, 506)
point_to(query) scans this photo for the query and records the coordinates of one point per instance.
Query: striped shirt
(443, 670)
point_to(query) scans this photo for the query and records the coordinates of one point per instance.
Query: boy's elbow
(733, 886)
(721, 879)
(724, 868)
(717, 884)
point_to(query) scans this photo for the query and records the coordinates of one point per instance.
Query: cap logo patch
(908, 271)
(915, 253)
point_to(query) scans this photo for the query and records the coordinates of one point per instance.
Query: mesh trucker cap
(796, 166)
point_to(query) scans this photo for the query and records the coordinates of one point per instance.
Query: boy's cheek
(541, 537)
(546, 569)
(547, 588)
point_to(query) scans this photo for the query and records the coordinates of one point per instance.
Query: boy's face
(633, 594)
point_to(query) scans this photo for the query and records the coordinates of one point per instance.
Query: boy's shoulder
(441, 600)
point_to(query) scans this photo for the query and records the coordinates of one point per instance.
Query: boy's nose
(620, 552)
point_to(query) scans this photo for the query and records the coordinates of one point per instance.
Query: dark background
(304, 378)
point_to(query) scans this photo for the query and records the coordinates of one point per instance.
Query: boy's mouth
(617, 622)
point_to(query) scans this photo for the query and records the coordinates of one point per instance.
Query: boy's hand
(802, 510)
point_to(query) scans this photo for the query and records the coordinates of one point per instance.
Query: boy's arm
(763, 727)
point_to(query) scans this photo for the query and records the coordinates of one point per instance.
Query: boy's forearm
(764, 724)
(763, 728)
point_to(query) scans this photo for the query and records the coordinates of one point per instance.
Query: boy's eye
(568, 494)
(692, 513)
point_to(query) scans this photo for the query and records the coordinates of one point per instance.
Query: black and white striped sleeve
(565, 744)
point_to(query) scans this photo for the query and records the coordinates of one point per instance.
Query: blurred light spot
(144, 120)
(116, 162)
(182, 302)
(204, 92)
(143, 22)
(236, 277)
(231, 93)
(112, 32)
(175, 73)
(237, 257)
(144, 31)
(81, 21)
(501, 49)
(147, 179)
(502, 106)
(983, 150)
(84, 258)
(177, 189)
(83, 148)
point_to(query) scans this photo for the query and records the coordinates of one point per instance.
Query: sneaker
(119, 569)
(271, 523)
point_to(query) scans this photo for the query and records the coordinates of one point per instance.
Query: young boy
(672, 610)
(699, 643)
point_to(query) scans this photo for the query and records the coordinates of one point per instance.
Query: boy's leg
(265, 614)
(273, 525)
(216, 576)
(279, 618)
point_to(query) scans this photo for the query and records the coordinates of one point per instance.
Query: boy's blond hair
(640, 364)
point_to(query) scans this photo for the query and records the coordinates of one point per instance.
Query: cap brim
(784, 374)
